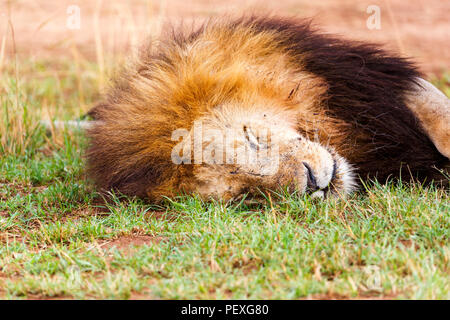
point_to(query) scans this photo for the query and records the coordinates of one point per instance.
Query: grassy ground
(59, 240)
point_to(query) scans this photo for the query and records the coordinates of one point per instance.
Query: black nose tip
(312, 182)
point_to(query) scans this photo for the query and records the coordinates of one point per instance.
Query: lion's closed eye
(255, 142)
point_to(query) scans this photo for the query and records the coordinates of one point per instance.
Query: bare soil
(125, 244)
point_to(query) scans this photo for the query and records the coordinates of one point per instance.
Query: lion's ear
(432, 108)
(177, 182)
(159, 193)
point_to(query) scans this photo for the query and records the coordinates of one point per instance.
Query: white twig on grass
(80, 124)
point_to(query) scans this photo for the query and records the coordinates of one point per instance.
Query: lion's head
(236, 150)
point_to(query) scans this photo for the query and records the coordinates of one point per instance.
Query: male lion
(261, 103)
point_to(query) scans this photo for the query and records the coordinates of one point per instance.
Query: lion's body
(346, 95)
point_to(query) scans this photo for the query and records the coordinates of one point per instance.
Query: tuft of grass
(58, 239)
(442, 82)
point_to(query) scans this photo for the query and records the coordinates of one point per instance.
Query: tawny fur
(345, 101)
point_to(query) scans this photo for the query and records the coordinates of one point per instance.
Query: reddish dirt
(417, 28)
(125, 244)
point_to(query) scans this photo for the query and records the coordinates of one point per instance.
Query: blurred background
(96, 30)
(57, 56)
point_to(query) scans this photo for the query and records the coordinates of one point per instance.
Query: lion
(240, 106)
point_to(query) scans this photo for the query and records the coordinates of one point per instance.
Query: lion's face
(235, 151)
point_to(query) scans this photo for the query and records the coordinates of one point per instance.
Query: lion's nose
(312, 181)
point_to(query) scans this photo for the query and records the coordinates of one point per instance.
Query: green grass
(58, 239)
